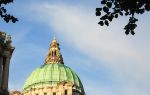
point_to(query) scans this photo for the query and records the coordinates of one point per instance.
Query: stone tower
(6, 50)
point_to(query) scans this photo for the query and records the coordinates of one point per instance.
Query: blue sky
(107, 61)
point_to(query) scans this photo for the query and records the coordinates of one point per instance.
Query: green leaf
(98, 13)
(106, 22)
(109, 4)
(106, 9)
(101, 23)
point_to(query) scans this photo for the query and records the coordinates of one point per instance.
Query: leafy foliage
(3, 12)
(115, 8)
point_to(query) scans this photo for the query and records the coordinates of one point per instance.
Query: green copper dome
(51, 75)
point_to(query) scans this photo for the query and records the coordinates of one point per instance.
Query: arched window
(54, 93)
(54, 53)
(66, 92)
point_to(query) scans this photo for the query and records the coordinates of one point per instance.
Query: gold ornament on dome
(54, 55)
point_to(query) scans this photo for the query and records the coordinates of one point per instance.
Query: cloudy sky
(107, 61)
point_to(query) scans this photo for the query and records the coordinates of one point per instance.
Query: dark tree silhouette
(114, 8)
(3, 12)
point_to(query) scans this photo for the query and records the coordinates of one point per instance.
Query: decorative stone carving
(16, 93)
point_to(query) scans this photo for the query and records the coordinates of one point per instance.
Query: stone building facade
(6, 50)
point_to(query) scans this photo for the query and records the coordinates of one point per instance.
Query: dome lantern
(54, 55)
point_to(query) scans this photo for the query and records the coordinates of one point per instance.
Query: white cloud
(124, 56)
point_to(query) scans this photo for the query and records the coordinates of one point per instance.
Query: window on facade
(45, 93)
(52, 53)
(55, 53)
(54, 93)
(66, 92)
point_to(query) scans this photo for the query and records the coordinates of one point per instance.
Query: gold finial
(54, 40)
(54, 37)
(54, 55)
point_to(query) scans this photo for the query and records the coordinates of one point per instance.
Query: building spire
(54, 56)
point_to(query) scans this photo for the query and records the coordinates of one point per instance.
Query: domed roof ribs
(54, 56)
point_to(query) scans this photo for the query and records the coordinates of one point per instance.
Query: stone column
(1, 71)
(6, 74)
(69, 90)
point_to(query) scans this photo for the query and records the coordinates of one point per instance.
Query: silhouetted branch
(115, 8)
(3, 12)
